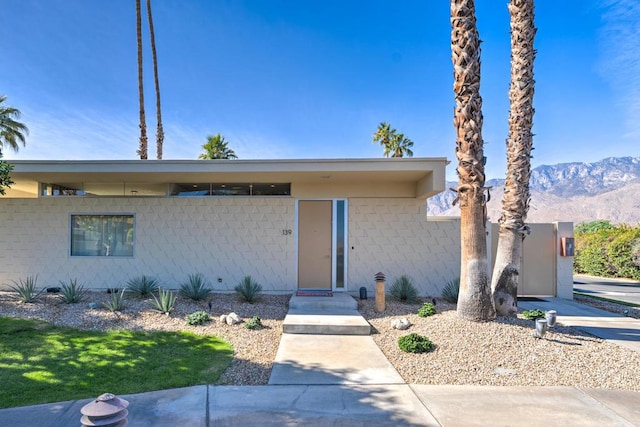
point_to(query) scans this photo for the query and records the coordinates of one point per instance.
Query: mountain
(576, 192)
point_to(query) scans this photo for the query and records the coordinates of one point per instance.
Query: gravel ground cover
(503, 352)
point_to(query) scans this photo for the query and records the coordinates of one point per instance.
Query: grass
(41, 363)
(628, 304)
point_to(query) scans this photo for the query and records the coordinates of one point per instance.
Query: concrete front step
(339, 301)
(330, 323)
(336, 315)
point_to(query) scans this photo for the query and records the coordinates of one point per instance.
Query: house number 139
(287, 232)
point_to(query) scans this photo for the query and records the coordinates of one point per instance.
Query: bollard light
(106, 410)
(380, 294)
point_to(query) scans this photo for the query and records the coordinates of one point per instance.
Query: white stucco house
(290, 224)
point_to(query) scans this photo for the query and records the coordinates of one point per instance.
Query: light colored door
(314, 244)
(538, 268)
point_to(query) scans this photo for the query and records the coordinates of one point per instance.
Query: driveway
(616, 289)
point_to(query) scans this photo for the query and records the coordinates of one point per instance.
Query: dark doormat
(314, 294)
(531, 299)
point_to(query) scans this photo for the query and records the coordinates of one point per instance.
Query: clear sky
(312, 78)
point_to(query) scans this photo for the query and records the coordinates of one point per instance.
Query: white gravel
(503, 352)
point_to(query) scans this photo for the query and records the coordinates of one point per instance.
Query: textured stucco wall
(395, 237)
(227, 238)
(564, 265)
(219, 237)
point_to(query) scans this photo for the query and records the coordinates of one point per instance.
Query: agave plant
(403, 289)
(165, 301)
(115, 302)
(196, 287)
(72, 292)
(27, 289)
(142, 285)
(451, 290)
(248, 290)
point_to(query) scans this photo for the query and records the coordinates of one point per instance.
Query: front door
(315, 233)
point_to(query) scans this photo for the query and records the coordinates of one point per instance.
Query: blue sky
(312, 79)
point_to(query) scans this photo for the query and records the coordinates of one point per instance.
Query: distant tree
(12, 132)
(395, 144)
(160, 130)
(217, 147)
(593, 226)
(5, 179)
(142, 146)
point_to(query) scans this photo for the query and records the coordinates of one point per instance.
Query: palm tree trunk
(159, 131)
(142, 148)
(474, 301)
(515, 202)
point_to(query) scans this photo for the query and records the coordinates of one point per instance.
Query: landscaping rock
(233, 319)
(401, 324)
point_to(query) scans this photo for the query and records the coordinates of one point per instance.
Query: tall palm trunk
(474, 301)
(142, 148)
(515, 202)
(159, 131)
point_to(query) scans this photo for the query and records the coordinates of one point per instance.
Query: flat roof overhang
(426, 175)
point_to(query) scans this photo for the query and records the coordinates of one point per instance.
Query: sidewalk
(355, 405)
(624, 331)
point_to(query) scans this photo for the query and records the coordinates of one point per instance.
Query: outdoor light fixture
(541, 328)
(550, 316)
(106, 410)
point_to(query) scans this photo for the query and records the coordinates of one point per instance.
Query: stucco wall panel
(394, 236)
(225, 238)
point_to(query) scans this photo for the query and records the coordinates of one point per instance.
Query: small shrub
(72, 292)
(403, 289)
(414, 343)
(165, 302)
(196, 287)
(115, 302)
(533, 314)
(27, 289)
(451, 290)
(142, 285)
(427, 309)
(253, 323)
(198, 318)
(248, 290)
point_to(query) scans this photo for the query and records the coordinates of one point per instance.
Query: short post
(380, 295)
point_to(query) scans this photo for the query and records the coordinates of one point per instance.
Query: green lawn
(41, 363)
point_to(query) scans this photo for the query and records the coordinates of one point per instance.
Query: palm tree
(515, 202)
(474, 300)
(160, 130)
(395, 145)
(12, 132)
(217, 147)
(142, 147)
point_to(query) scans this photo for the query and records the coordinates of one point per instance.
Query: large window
(102, 235)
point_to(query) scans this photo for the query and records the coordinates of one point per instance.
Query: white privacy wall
(224, 238)
(393, 236)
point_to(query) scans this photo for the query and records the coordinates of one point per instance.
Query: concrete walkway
(321, 380)
(624, 331)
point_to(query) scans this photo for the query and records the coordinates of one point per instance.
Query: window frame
(101, 214)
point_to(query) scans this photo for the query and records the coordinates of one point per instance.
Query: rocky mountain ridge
(578, 192)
